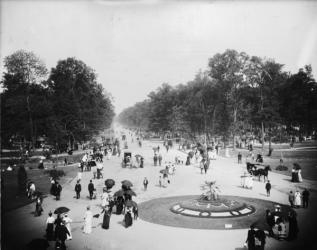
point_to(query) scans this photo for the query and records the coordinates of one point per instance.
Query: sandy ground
(20, 226)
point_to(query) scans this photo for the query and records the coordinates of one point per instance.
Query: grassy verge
(11, 199)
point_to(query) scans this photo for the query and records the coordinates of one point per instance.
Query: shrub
(22, 178)
(281, 168)
(54, 173)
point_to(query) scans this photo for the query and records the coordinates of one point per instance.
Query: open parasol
(130, 192)
(61, 210)
(130, 203)
(127, 183)
(118, 193)
(109, 183)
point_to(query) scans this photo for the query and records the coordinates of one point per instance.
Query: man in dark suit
(91, 189)
(77, 189)
(250, 239)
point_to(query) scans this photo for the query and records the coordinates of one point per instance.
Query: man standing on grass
(91, 189)
(268, 187)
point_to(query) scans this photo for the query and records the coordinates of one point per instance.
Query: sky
(135, 46)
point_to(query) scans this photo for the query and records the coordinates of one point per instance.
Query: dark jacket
(91, 187)
(77, 187)
(268, 186)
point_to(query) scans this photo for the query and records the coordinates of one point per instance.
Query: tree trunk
(30, 120)
(234, 128)
(262, 136)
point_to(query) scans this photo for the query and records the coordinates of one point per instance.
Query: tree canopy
(66, 105)
(237, 94)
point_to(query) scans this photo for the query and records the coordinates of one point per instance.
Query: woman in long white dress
(88, 221)
(298, 199)
(300, 179)
(67, 222)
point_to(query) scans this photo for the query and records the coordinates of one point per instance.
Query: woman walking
(67, 222)
(106, 217)
(50, 227)
(88, 221)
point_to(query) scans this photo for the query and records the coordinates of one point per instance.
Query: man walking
(291, 198)
(305, 196)
(145, 183)
(78, 189)
(268, 187)
(91, 189)
(239, 158)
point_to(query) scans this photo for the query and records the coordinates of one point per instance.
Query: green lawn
(10, 199)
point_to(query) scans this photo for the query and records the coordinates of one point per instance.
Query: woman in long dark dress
(38, 206)
(106, 218)
(293, 226)
(120, 202)
(128, 218)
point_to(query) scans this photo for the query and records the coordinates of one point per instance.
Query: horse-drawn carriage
(258, 169)
(127, 160)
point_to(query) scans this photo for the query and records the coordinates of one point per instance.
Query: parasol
(109, 183)
(129, 192)
(61, 210)
(164, 171)
(119, 193)
(127, 183)
(130, 203)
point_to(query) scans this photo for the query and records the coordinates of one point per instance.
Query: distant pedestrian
(78, 189)
(268, 187)
(201, 166)
(305, 196)
(160, 159)
(160, 181)
(155, 159)
(135, 211)
(38, 206)
(58, 190)
(291, 198)
(145, 183)
(205, 166)
(91, 189)
(298, 199)
(65, 162)
(239, 158)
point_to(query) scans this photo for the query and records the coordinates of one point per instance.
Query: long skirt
(50, 231)
(128, 219)
(106, 221)
(119, 208)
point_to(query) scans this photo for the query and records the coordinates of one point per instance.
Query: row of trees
(66, 104)
(237, 94)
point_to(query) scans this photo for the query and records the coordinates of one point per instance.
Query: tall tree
(24, 73)
(81, 105)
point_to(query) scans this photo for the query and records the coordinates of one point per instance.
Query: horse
(262, 172)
